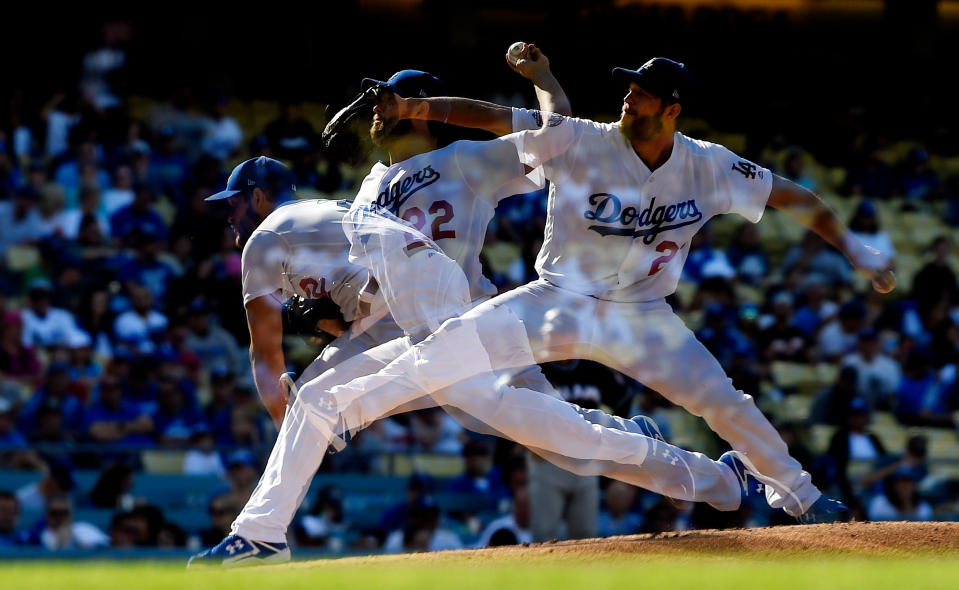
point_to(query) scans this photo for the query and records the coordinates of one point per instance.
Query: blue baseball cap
(264, 173)
(661, 77)
(407, 83)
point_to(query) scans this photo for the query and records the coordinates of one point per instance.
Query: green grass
(623, 572)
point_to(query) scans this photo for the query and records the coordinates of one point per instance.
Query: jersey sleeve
(745, 185)
(487, 166)
(549, 142)
(262, 265)
(526, 119)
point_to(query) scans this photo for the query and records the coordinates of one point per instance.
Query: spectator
(57, 480)
(435, 431)
(57, 530)
(14, 453)
(480, 477)
(17, 362)
(423, 531)
(44, 325)
(82, 165)
(853, 442)
(878, 373)
(174, 419)
(242, 473)
(922, 399)
(9, 515)
(202, 457)
(831, 406)
(936, 280)
(96, 319)
(396, 516)
(706, 261)
(138, 215)
(72, 219)
(138, 329)
(215, 347)
(129, 529)
(864, 224)
(291, 134)
(839, 337)
(511, 529)
(222, 510)
(145, 268)
(223, 133)
(82, 369)
(781, 339)
(169, 166)
(900, 499)
(113, 419)
(112, 489)
(913, 460)
(55, 393)
(721, 337)
(816, 309)
(617, 516)
(23, 224)
(746, 255)
(919, 181)
(794, 168)
(816, 260)
(324, 525)
(121, 194)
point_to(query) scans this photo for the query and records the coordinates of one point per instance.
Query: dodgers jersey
(301, 248)
(617, 230)
(450, 195)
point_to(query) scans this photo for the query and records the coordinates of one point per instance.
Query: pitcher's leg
(668, 358)
(556, 431)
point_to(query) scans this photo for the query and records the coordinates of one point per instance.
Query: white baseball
(516, 52)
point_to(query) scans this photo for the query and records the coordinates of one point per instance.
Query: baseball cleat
(749, 485)
(648, 427)
(236, 551)
(826, 510)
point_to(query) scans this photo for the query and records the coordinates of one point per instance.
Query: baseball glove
(301, 315)
(339, 140)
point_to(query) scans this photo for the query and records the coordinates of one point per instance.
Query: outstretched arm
(479, 114)
(812, 212)
(534, 66)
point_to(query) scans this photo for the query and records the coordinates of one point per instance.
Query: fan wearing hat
(625, 200)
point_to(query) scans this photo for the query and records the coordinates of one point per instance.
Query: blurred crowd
(122, 329)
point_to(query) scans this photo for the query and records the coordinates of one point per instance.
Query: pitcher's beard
(383, 132)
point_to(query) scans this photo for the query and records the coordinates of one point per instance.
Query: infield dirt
(867, 539)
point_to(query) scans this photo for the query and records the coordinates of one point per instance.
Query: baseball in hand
(516, 52)
(884, 282)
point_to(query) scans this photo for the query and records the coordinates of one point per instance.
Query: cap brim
(368, 83)
(222, 195)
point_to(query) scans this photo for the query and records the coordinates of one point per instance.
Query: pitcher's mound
(847, 539)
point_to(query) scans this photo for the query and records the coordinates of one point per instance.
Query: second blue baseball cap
(660, 77)
(409, 83)
(264, 173)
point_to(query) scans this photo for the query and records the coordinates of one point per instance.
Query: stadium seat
(176, 491)
(819, 437)
(163, 461)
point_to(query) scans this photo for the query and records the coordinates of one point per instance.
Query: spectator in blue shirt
(145, 268)
(921, 396)
(112, 419)
(9, 515)
(138, 215)
(174, 420)
(54, 393)
(479, 477)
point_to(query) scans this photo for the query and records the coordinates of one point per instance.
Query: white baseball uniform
(586, 442)
(616, 238)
